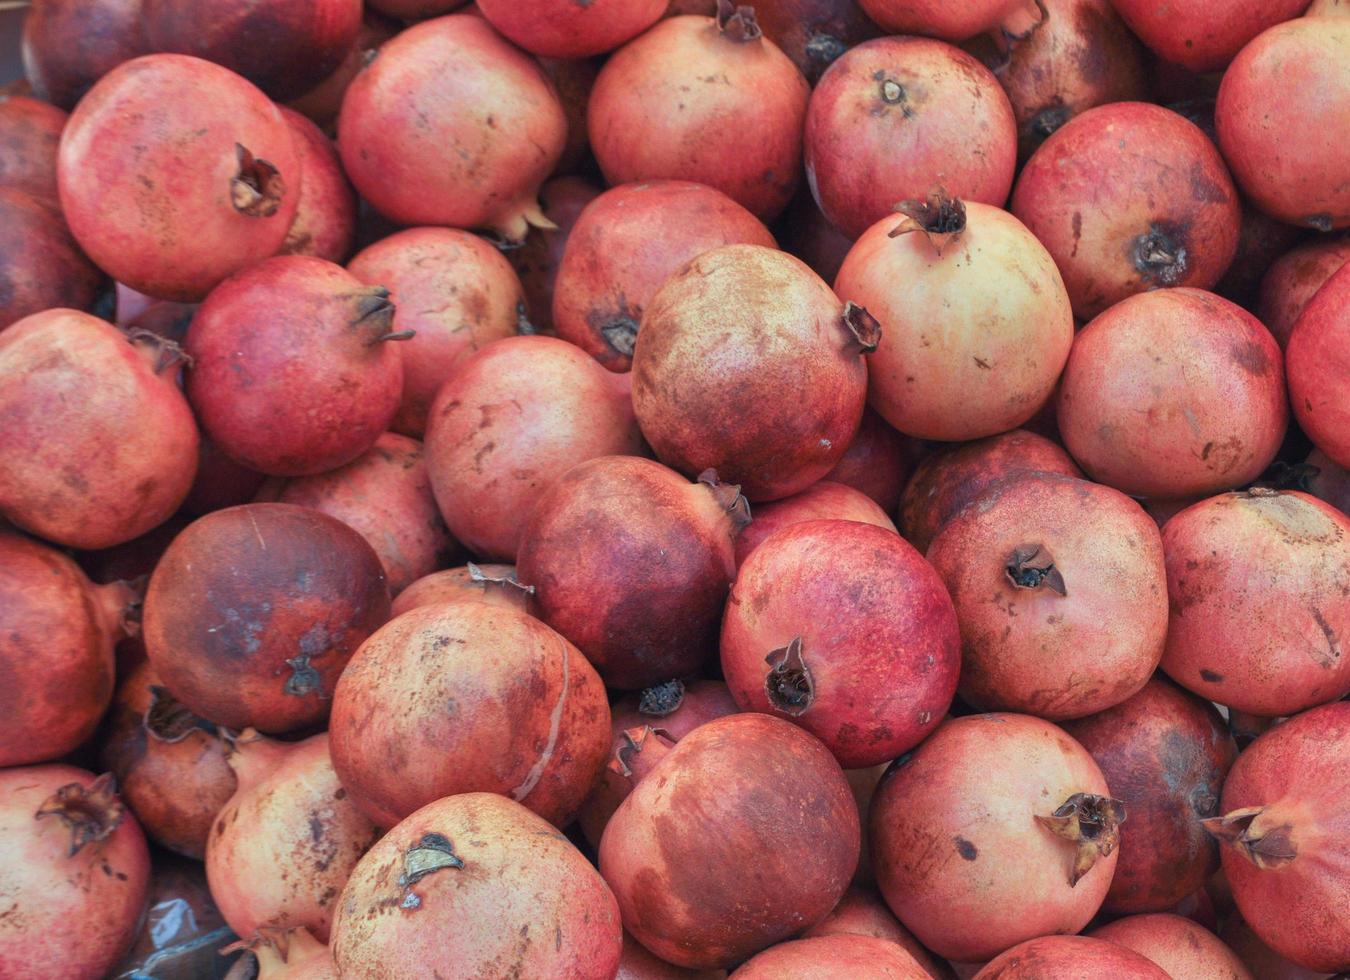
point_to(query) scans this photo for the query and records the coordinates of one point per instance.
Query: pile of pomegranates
(592, 489)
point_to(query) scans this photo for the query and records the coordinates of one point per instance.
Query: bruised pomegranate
(708, 398)
(72, 863)
(820, 501)
(143, 213)
(1295, 278)
(1174, 393)
(99, 445)
(30, 132)
(684, 852)
(1203, 35)
(554, 29)
(833, 958)
(493, 584)
(417, 155)
(41, 267)
(68, 45)
(466, 696)
(625, 245)
(1185, 950)
(514, 417)
(1260, 589)
(975, 316)
(562, 200)
(454, 291)
(1026, 811)
(289, 954)
(954, 21)
(1068, 958)
(462, 888)
(703, 99)
(325, 218)
(1283, 837)
(253, 612)
(1319, 368)
(292, 371)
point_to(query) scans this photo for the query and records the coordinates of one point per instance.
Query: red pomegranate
(813, 33)
(899, 118)
(573, 79)
(169, 763)
(708, 398)
(804, 231)
(1165, 754)
(385, 494)
(221, 482)
(493, 584)
(955, 21)
(463, 886)
(1118, 220)
(455, 292)
(292, 371)
(68, 45)
(703, 99)
(1293, 279)
(1319, 368)
(1263, 962)
(833, 958)
(288, 954)
(1259, 583)
(1061, 593)
(1175, 393)
(513, 418)
(976, 321)
(41, 267)
(467, 696)
(625, 245)
(635, 963)
(863, 912)
(145, 216)
(824, 501)
(878, 462)
(71, 860)
(1202, 35)
(415, 9)
(632, 563)
(253, 612)
(420, 159)
(1068, 958)
(1283, 837)
(1330, 483)
(1185, 950)
(1293, 77)
(323, 102)
(1025, 809)
(98, 444)
(537, 260)
(30, 132)
(564, 29)
(1261, 240)
(325, 219)
(679, 851)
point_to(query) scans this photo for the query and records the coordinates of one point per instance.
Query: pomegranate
(508, 423)
(384, 494)
(284, 845)
(863, 912)
(164, 318)
(289, 954)
(462, 886)
(221, 482)
(417, 155)
(1025, 809)
(68, 45)
(1005, 322)
(98, 445)
(900, 117)
(804, 231)
(325, 218)
(1061, 593)
(415, 9)
(71, 857)
(678, 849)
(1129, 197)
(1068, 958)
(493, 584)
(813, 33)
(1261, 240)
(253, 612)
(708, 398)
(41, 267)
(1185, 950)
(820, 501)
(1330, 483)
(1328, 8)
(955, 21)
(466, 696)
(703, 99)
(833, 958)
(1199, 908)
(1294, 76)
(1319, 368)
(1175, 393)
(625, 245)
(1165, 754)
(635, 963)
(1260, 590)
(292, 374)
(573, 79)
(323, 102)
(1282, 837)
(537, 260)
(558, 29)
(1263, 962)
(30, 132)
(455, 292)
(1201, 35)
(878, 461)
(169, 763)
(1293, 279)
(163, 228)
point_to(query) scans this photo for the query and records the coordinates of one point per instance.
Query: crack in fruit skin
(536, 772)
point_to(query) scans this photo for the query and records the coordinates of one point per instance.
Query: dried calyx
(165, 353)
(1160, 255)
(168, 720)
(375, 316)
(737, 23)
(257, 189)
(788, 683)
(91, 812)
(864, 327)
(632, 742)
(728, 497)
(1092, 823)
(941, 218)
(662, 699)
(1031, 566)
(1265, 846)
(509, 582)
(620, 332)
(304, 678)
(432, 853)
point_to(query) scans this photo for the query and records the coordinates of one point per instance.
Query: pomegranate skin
(1263, 962)
(323, 102)
(1175, 393)
(415, 9)
(41, 267)
(68, 45)
(292, 954)
(1164, 753)
(494, 584)
(653, 114)
(221, 482)
(292, 371)
(953, 21)
(1293, 77)
(564, 29)
(1327, 8)
(1070, 958)
(516, 416)
(833, 958)
(479, 915)
(420, 159)
(98, 444)
(632, 563)
(1319, 368)
(823, 501)
(863, 912)
(1295, 278)
(804, 231)
(325, 218)
(878, 462)
(156, 187)
(528, 718)
(537, 260)
(253, 612)
(30, 132)
(623, 248)
(1283, 837)
(635, 963)
(708, 399)
(1261, 240)
(1330, 483)
(52, 860)
(1185, 950)
(573, 79)
(813, 33)
(1260, 590)
(676, 851)
(1005, 322)
(897, 118)
(1201, 35)
(455, 291)
(983, 786)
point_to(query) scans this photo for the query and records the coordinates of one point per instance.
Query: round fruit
(538, 259)
(1293, 279)
(955, 21)
(1319, 368)
(813, 33)
(878, 461)
(68, 45)
(566, 29)
(325, 218)
(833, 958)
(1185, 950)
(1203, 35)
(30, 132)
(823, 501)
(1068, 958)
(41, 267)
(493, 584)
